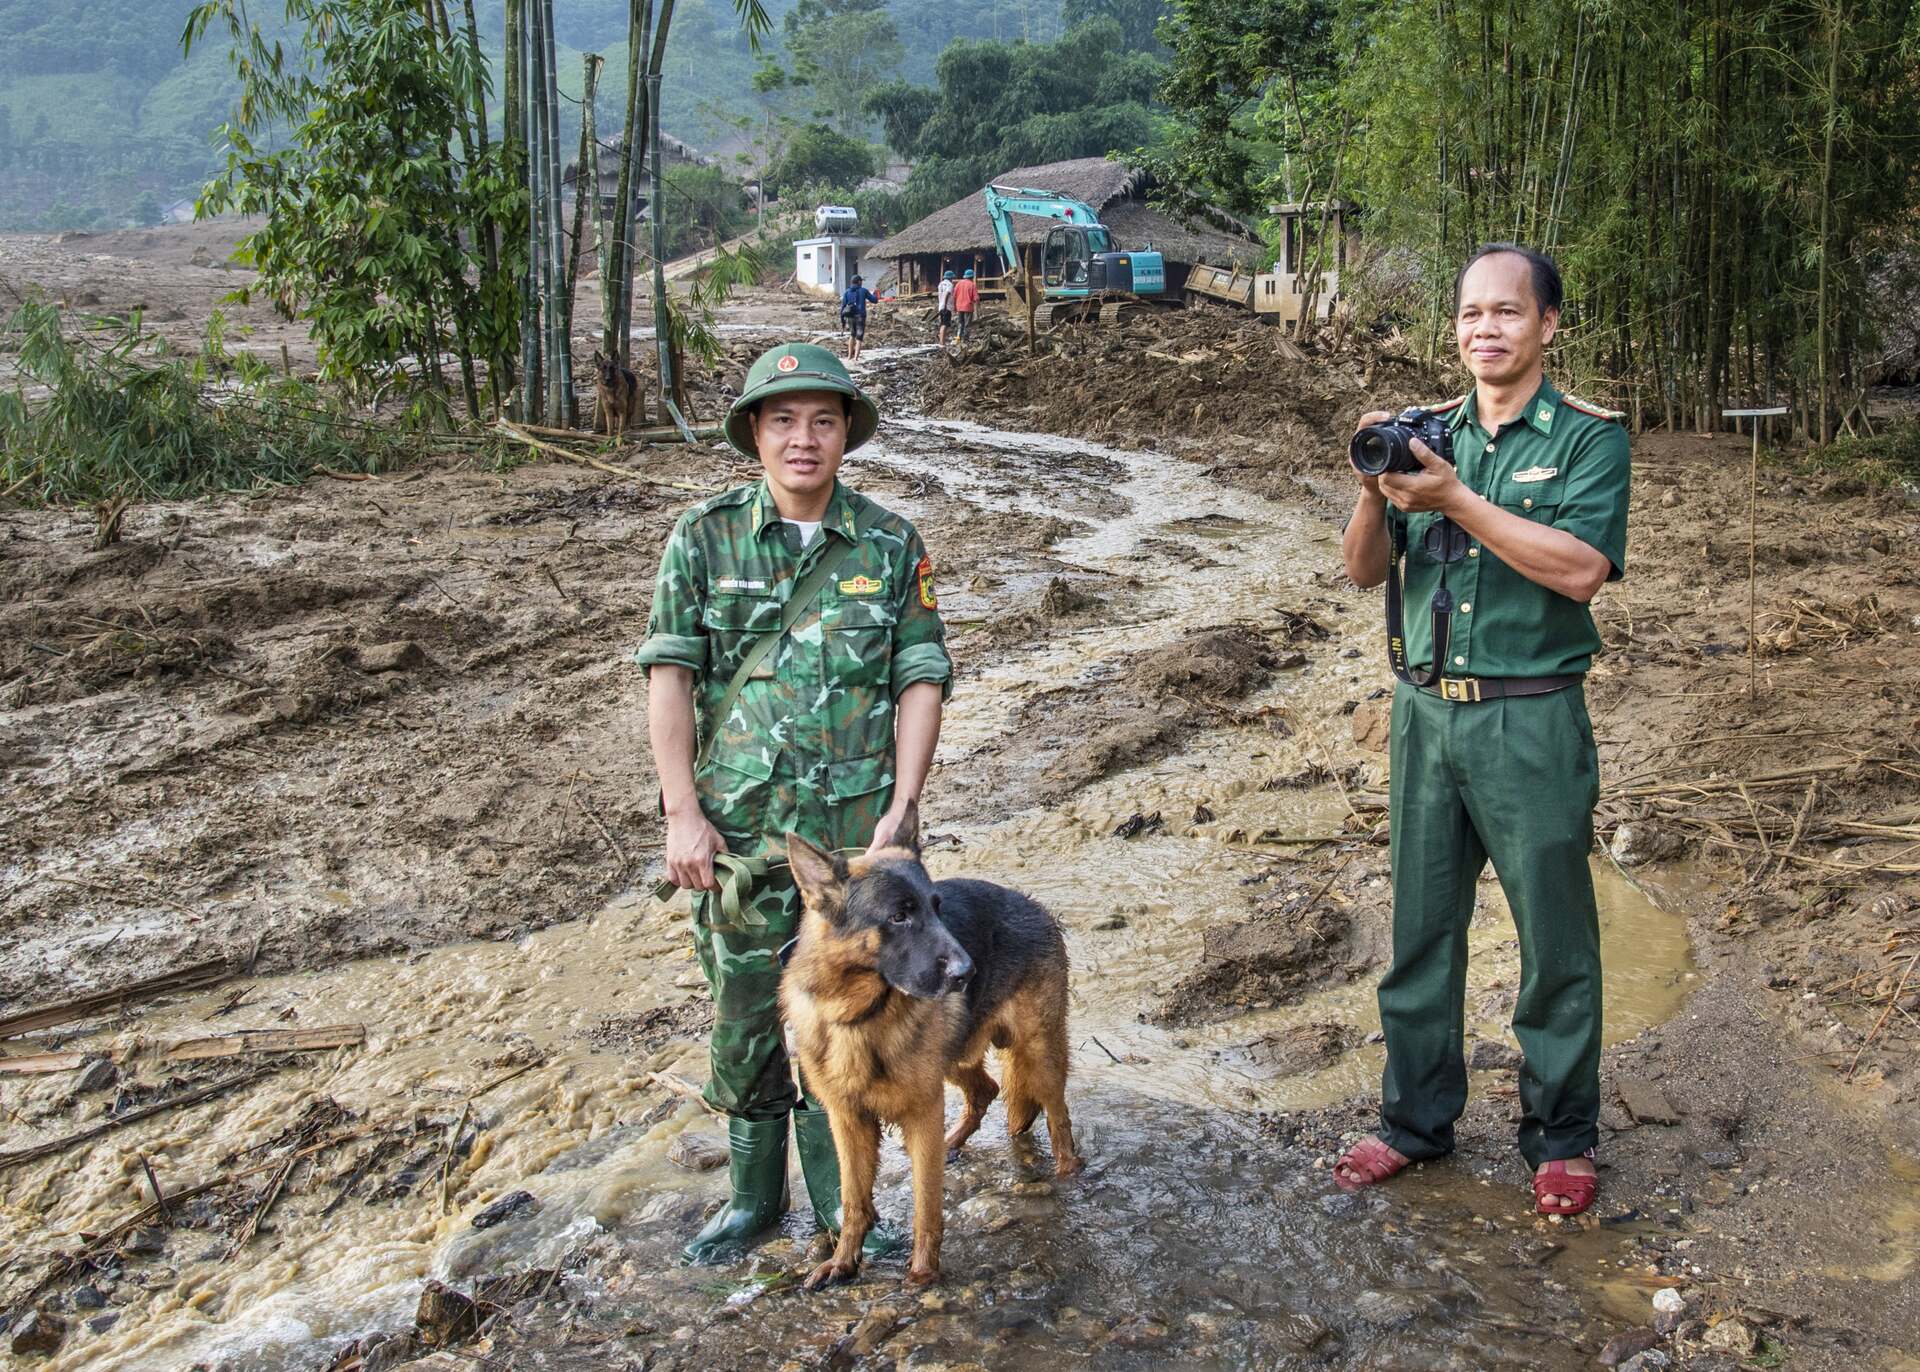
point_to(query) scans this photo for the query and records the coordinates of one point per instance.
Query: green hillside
(99, 111)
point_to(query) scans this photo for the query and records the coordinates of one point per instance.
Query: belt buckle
(1460, 688)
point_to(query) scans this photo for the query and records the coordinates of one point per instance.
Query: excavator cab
(1065, 261)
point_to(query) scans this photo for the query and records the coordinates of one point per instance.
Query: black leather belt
(1467, 689)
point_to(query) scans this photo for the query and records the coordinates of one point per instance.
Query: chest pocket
(859, 636)
(733, 622)
(1538, 500)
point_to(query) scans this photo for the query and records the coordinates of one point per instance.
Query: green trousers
(1514, 780)
(749, 1075)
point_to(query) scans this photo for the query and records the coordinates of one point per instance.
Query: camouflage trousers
(748, 1072)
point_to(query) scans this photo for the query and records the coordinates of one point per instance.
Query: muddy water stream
(1183, 1244)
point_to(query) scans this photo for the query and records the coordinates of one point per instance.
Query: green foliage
(363, 199)
(704, 206)
(1139, 20)
(817, 155)
(144, 212)
(1005, 105)
(843, 48)
(107, 423)
(1889, 459)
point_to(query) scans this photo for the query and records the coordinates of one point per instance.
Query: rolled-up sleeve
(676, 634)
(919, 636)
(1594, 508)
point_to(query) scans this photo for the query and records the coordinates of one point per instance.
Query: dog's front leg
(925, 1137)
(856, 1139)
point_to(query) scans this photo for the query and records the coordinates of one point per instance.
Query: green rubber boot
(757, 1170)
(820, 1165)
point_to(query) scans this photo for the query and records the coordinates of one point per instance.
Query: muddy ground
(323, 731)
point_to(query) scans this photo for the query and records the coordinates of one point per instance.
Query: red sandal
(1577, 1191)
(1372, 1161)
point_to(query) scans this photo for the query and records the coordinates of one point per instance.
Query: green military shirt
(808, 746)
(1562, 463)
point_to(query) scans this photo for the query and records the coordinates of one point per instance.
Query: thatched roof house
(961, 236)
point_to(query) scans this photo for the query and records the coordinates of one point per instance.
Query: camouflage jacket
(808, 746)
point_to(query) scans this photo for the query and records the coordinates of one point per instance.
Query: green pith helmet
(798, 367)
(949, 276)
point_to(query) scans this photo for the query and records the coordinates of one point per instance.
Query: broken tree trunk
(187, 979)
(247, 1042)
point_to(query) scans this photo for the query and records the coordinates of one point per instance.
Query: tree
(360, 196)
(816, 155)
(144, 212)
(843, 48)
(1138, 19)
(1004, 105)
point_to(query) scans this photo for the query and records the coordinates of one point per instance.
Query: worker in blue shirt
(853, 315)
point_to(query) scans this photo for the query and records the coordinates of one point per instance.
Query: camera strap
(1441, 609)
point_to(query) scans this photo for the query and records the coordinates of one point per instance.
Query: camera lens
(1374, 449)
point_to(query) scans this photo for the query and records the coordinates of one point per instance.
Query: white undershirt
(808, 528)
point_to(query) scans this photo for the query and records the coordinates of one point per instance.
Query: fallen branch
(515, 431)
(84, 1007)
(680, 1086)
(274, 1187)
(1881, 1023)
(60, 1145)
(245, 1043)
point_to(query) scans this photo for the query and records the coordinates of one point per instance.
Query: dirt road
(377, 742)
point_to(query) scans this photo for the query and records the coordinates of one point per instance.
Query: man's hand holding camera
(1435, 487)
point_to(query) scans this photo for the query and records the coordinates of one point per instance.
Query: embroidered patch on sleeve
(925, 573)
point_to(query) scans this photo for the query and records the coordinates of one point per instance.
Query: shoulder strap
(805, 592)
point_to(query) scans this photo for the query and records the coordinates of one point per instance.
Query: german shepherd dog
(617, 391)
(899, 982)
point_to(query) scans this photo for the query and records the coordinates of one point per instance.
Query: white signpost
(1753, 520)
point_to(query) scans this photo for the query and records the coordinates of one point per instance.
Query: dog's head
(607, 368)
(881, 913)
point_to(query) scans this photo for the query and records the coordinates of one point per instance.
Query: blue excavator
(1083, 276)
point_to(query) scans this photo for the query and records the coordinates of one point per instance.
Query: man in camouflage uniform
(831, 736)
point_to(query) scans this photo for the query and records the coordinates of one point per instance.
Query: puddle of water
(1180, 1216)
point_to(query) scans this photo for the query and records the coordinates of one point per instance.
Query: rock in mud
(1641, 841)
(1668, 1300)
(1491, 1056)
(1389, 1308)
(402, 655)
(1257, 962)
(1140, 1331)
(1621, 1347)
(144, 1243)
(444, 1317)
(1373, 724)
(1647, 1103)
(39, 1332)
(697, 1151)
(97, 1075)
(1063, 599)
(507, 1207)
(1649, 1361)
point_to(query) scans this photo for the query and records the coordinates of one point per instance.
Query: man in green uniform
(1495, 760)
(830, 734)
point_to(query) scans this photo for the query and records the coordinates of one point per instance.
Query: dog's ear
(907, 834)
(820, 876)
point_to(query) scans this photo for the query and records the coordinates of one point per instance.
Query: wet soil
(377, 741)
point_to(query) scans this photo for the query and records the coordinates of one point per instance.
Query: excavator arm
(1004, 201)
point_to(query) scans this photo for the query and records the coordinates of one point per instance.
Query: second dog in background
(617, 390)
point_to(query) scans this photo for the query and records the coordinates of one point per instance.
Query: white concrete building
(827, 264)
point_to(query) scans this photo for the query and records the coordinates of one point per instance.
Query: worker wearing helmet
(853, 315)
(966, 299)
(946, 305)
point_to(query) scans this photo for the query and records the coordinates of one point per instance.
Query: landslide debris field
(371, 754)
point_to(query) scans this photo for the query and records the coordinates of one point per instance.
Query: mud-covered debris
(444, 1316)
(509, 1206)
(1489, 1055)
(1731, 1335)
(697, 1151)
(1137, 824)
(39, 1332)
(144, 1243)
(402, 655)
(654, 1028)
(1201, 814)
(1373, 724)
(1256, 963)
(1138, 1331)
(1063, 599)
(1641, 841)
(1214, 664)
(1293, 1051)
(1621, 1347)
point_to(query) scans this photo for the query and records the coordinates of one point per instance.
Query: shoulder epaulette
(738, 495)
(1442, 406)
(1588, 407)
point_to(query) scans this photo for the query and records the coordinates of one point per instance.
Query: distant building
(961, 236)
(825, 264)
(177, 212)
(1282, 291)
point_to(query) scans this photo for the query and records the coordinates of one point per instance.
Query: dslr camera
(1382, 448)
